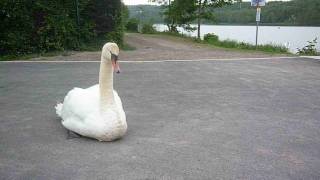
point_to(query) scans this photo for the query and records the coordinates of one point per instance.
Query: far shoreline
(261, 24)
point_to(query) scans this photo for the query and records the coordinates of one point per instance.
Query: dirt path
(162, 47)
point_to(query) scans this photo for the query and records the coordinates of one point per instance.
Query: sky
(134, 2)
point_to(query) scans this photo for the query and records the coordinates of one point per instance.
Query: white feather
(81, 113)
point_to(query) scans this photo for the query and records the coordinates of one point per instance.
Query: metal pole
(257, 27)
(257, 33)
(170, 27)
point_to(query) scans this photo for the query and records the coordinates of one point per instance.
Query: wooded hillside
(296, 12)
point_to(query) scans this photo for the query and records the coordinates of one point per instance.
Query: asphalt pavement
(229, 119)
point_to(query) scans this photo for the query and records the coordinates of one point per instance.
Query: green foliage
(309, 49)
(125, 14)
(148, 12)
(295, 12)
(148, 28)
(183, 12)
(128, 47)
(115, 36)
(214, 40)
(210, 38)
(205, 8)
(40, 26)
(203, 11)
(60, 33)
(180, 13)
(16, 27)
(108, 19)
(242, 45)
(132, 25)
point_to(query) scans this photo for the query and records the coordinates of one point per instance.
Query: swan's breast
(116, 125)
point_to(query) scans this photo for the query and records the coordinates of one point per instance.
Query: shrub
(60, 33)
(148, 29)
(132, 25)
(108, 19)
(309, 49)
(42, 26)
(214, 40)
(115, 36)
(210, 37)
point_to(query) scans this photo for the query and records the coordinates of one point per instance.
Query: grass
(93, 46)
(271, 48)
(96, 46)
(231, 44)
(177, 35)
(34, 55)
(128, 47)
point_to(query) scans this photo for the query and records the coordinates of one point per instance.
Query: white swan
(97, 111)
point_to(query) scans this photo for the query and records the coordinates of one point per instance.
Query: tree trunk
(170, 28)
(199, 18)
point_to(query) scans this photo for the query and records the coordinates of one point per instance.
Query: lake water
(292, 37)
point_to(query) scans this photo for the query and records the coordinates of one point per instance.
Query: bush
(309, 49)
(108, 19)
(132, 25)
(115, 36)
(41, 26)
(148, 29)
(214, 40)
(60, 33)
(210, 37)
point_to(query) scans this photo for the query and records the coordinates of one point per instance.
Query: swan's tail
(59, 109)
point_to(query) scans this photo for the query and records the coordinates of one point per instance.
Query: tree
(108, 19)
(125, 13)
(205, 10)
(240, 3)
(40, 26)
(295, 12)
(181, 13)
(186, 11)
(168, 13)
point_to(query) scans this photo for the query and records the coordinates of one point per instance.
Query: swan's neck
(106, 84)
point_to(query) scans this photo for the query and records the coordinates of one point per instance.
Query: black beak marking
(114, 57)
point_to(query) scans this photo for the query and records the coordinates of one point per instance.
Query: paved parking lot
(229, 119)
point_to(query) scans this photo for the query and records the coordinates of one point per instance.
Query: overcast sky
(134, 2)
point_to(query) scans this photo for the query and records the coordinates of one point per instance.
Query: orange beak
(115, 66)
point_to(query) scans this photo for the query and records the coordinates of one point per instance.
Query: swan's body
(97, 111)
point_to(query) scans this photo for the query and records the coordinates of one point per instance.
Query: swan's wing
(80, 113)
(79, 103)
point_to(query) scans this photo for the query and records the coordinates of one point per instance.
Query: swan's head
(110, 52)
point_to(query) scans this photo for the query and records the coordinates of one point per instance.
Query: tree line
(37, 26)
(295, 12)
(181, 13)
